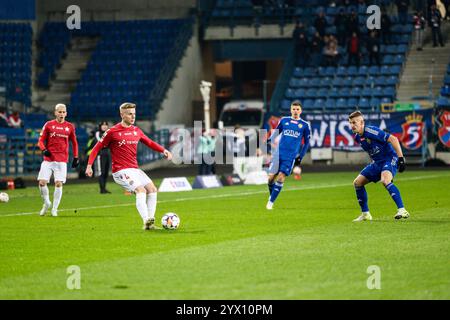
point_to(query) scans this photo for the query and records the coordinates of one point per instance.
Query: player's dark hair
(355, 114)
(296, 103)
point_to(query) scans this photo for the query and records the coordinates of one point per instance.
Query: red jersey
(55, 138)
(123, 143)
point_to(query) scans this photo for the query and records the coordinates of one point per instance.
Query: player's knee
(42, 183)
(58, 184)
(152, 189)
(281, 178)
(385, 181)
(140, 190)
(357, 183)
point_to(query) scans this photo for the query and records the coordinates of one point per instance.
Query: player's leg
(60, 174)
(44, 176)
(129, 179)
(151, 205)
(285, 170)
(271, 182)
(273, 171)
(368, 174)
(386, 179)
(361, 194)
(57, 195)
(141, 203)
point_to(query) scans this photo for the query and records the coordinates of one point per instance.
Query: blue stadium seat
(330, 104)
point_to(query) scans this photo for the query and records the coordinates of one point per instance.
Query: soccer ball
(4, 197)
(297, 170)
(170, 221)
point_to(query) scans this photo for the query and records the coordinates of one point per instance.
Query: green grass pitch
(229, 246)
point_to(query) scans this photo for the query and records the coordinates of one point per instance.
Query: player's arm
(42, 140)
(73, 139)
(398, 149)
(155, 146)
(305, 146)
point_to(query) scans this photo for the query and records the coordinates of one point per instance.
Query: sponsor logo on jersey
(291, 133)
(294, 121)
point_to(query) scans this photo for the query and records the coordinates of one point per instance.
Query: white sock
(141, 205)
(151, 204)
(44, 193)
(57, 197)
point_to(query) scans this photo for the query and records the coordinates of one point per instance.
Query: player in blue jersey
(386, 154)
(289, 151)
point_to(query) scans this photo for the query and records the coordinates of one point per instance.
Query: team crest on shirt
(135, 133)
(67, 129)
(300, 126)
(412, 136)
(368, 140)
(286, 124)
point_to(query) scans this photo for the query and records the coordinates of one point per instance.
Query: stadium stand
(130, 62)
(343, 87)
(15, 61)
(444, 99)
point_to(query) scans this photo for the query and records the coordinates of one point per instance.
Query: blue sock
(361, 195)
(395, 194)
(270, 185)
(276, 191)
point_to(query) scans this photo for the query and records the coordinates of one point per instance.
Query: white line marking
(227, 195)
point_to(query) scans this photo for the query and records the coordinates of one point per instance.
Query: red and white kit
(122, 142)
(55, 138)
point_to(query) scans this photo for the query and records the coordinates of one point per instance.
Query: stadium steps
(66, 77)
(414, 81)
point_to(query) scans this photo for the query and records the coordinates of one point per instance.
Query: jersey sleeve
(103, 143)
(73, 139)
(150, 143)
(43, 137)
(376, 134)
(306, 140)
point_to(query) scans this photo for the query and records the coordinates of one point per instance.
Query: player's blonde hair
(60, 105)
(355, 114)
(127, 105)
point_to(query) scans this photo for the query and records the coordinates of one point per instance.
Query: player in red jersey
(54, 143)
(122, 140)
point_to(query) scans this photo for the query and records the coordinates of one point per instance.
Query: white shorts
(58, 169)
(131, 178)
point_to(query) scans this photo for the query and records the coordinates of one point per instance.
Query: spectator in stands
(316, 48)
(353, 50)
(402, 11)
(419, 27)
(435, 24)
(373, 47)
(340, 22)
(321, 23)
(331, 54)
(4, 122)
(385, 31)
(14, 120)
(301, 50)
(204, 151)
(352, 24)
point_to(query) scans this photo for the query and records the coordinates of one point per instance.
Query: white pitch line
(227, 195)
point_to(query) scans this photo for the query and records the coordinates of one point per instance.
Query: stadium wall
(115, 9)
(177, 107)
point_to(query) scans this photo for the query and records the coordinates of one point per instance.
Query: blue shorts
(373, 171)
(281, 165)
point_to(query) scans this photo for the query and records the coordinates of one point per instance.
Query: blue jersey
(375, 142)
(292, 132)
